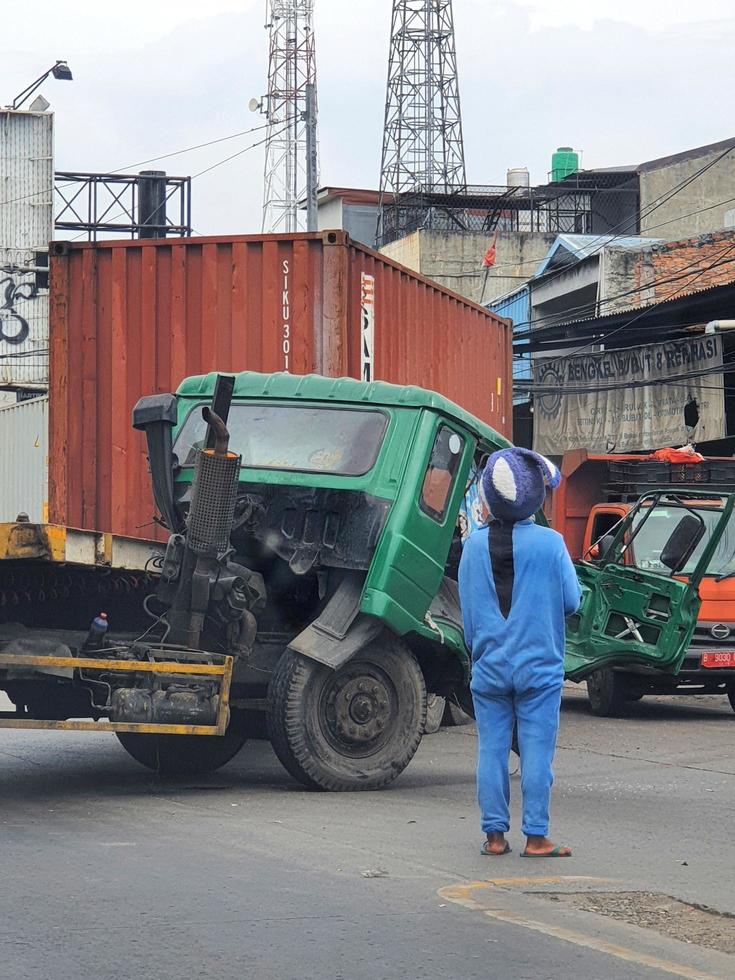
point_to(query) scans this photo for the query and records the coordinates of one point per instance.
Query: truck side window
(439, 479)
(602, 524)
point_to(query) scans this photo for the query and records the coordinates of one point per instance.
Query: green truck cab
(345, 526)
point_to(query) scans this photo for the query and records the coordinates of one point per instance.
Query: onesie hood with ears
(514, 483)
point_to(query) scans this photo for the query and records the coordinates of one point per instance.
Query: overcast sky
(621, 80)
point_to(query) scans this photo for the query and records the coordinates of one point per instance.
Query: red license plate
(719, 659)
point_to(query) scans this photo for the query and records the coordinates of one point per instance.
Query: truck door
(631, 615)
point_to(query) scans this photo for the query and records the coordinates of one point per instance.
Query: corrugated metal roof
(514, 306)
(676, 315)
(676, 298)
(580, 247)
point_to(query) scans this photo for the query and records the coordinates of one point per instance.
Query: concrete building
(352, 209)
(585, 276)
(455, 259)
(655, 340)
(680, 196)
(706, 203)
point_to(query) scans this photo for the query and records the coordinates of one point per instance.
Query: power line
(564, 389)
(141, 163)
(657, 202)
(537, 331)
(571, 389)
(201, 173)
(189, 149)
(605, 240)
(605, 337)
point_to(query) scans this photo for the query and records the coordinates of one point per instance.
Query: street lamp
(60, 70)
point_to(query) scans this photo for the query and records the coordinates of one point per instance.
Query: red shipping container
(134, 318)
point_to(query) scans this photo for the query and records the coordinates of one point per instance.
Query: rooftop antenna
(290, 107)
(423, 150)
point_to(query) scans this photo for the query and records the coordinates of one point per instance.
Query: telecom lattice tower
(423, 151)
(291, 68)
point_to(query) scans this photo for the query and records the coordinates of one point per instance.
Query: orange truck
(597, 492)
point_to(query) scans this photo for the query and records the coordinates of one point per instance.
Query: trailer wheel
(606, 692)
(183, 755)
(355, 728)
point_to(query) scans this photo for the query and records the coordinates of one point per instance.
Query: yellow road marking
(591, 942)
(539, 880)
(463, 895)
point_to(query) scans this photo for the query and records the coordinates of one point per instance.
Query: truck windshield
(653, 535)
(306, 438)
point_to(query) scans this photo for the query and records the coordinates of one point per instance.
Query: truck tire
(606, 692)
(355, 728)
(183, 755)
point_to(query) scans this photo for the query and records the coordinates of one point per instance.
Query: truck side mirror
(681, 544)
(156, 415)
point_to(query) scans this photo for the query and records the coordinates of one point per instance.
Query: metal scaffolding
(288, 107)
(584, 203)
(150, 204)
(423, 150)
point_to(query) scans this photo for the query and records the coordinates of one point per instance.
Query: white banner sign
(367, 325)
(616, 415)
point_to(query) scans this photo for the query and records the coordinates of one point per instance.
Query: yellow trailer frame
(223, 671)
(59, 545)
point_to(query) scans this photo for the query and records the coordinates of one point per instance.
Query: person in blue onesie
(517, 584)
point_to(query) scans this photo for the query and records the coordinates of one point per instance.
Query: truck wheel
(355, 728)
(606, 691)
(183, 755)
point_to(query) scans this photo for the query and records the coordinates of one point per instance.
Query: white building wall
(26, 227)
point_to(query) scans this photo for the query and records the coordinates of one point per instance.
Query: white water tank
(518, 177)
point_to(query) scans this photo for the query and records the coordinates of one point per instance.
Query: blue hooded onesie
(516, 583)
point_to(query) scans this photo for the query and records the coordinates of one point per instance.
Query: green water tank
(564, 162)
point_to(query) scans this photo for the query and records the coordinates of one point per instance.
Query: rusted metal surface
(69, 546)
(134, 318)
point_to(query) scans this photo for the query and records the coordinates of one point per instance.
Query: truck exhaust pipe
(213, 493)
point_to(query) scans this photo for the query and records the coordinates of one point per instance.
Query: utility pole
(311, 158)
(423, 149)
(291, 70)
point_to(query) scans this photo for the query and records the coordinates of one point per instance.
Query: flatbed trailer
(53, 581)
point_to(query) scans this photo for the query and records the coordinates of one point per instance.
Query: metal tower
(423, 151)
(290, 107)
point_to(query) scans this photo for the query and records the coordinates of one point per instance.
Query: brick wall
(666, 270)
(675, 268)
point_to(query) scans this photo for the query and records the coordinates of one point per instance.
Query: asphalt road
(107, 872)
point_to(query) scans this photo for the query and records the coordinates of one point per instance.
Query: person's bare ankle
(536, 844)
